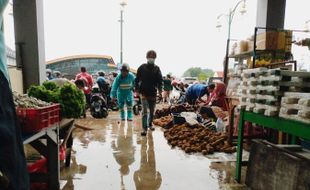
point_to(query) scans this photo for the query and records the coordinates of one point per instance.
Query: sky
(182, 32)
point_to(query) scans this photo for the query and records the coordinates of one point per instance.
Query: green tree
(209, 72)
(202, 74)
(192, 72)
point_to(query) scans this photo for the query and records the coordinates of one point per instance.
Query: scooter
(137, 107)
(98, 103)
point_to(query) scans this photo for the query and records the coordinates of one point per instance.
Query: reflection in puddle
(146, 177)
(69, 174)
(114, 156)
(124, 150)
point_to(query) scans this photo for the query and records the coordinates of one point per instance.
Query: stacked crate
(247, 90)
(261, 91)
(296, 106)
(269, 93)
(294, 81)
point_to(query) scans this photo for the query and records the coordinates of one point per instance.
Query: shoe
(123, 119)
(129, 119)
(151, 128)
(143, 133)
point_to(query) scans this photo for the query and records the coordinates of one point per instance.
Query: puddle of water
(115, 156)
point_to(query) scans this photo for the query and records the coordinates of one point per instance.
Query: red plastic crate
(54, 114)
(34, 120)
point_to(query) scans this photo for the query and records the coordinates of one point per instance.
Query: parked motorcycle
(98, 103)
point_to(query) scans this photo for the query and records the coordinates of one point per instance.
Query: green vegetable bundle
(72, 101)
(70, 98)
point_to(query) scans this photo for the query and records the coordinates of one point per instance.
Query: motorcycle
(137, 107)
(98, 103)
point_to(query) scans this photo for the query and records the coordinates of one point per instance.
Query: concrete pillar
(29, 37)
(270, 13)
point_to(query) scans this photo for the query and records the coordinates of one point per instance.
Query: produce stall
(40, 114)
(186, 129)
(268, 47)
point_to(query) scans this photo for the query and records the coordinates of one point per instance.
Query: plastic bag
(220, 126)
(190, 117)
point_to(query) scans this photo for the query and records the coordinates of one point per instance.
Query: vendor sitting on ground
(212, 113)
(207, 114)
(195, 92)
(217, 97)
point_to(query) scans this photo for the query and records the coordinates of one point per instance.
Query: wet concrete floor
(115, 156)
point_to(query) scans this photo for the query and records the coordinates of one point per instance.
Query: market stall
(192, 130)
(267, 97)
(274, 99)
(267, 47)
(43, 114)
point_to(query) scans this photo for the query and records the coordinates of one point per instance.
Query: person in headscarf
(217, 97)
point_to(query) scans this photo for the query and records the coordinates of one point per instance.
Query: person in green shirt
(167, 88)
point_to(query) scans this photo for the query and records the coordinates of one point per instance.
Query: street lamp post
(123, 4)
(230, 16)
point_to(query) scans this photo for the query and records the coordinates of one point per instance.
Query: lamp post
(123, 4)
(230, 16)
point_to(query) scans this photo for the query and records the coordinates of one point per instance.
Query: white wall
(16, 78)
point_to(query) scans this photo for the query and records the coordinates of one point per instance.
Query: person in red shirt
(217, 97)
(85, 76)
(88, 82)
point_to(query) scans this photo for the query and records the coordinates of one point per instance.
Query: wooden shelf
(248, 54)
(242, 55)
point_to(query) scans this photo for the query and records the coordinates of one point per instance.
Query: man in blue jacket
(122, 89)
(197, 91)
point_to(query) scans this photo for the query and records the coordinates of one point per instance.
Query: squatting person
(195, 92)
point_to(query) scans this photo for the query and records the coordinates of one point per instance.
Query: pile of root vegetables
(164, 121)
(198, 138)
(175, 109)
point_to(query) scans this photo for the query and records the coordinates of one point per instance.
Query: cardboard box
(267, 41)
(274, 40)
(241, 47)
